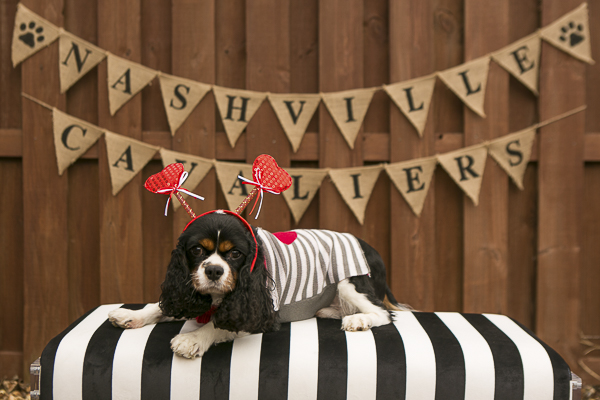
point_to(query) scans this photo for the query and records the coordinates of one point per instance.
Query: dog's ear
(249, 307)
(179, 299)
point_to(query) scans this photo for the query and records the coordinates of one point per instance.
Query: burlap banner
(512, 152)
(413, 179)
(233, 189)
(72, 138)
(305, 185)
(348, 110)
(571, 34)
(465, 167)
(76, 58)
(237, 107)
(180, 97)
(468, 81)
(413, 99)
(126, 158)
(125, 79)
(356, 186)
(30, 34)
(294, 112)
(522, 60)
(196, 167)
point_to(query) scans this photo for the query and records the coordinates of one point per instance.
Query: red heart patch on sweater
(266, 171)
(165, 179)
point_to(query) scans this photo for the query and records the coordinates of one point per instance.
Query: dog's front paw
(187, 345)
(124, 318)
(356, 322)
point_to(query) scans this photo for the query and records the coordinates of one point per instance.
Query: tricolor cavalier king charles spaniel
(239, 279)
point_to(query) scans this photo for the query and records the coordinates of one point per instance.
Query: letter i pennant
(356, 186)
(465, 167)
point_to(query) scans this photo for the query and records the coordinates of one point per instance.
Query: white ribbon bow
(178, 188)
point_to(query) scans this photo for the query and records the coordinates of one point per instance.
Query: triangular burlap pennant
(571, 34)
(233, 189)
(512, 152)
(522, 60)
(237, 107)
(356, 185)
(125, 80)
(196, 167)
(30, 34)
(126, 158)
(76, 58)
(348, 110)
(413, 99)
(413, 179)
(468, 82)
(72, 138)
(294, 112)
(305, 184)
(180, 97)
(465, 167)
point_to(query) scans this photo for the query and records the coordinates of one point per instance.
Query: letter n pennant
(413, 179)
(72, 138)
(512, 152)
(468, 82)
(31, 34)
(465, 167)
(348, 110)
(125, 79)
(180, 97)
(356, 186)
(126, 158)
(76, 58)
(294, 112)
(305, 184)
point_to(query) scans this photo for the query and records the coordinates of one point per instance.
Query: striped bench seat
(421, 356)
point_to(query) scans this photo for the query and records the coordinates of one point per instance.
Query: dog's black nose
(213, 272)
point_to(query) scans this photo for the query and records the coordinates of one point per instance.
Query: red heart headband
(266, 175)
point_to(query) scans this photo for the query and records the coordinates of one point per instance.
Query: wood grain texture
(10, 78)
(560, 190)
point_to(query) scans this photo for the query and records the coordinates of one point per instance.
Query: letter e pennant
(356, 186)
(522, 60)
(465, 167)
(125, 80)
(413, 179)
(512, 152)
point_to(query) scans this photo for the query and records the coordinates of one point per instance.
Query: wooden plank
(341, 60)
(413, 238)
(11, 272)
(486, 225)
(10, 78)
(45, 263)
(560, 191)
(121, 250)
(11, 142)
(268, 70)
(447, 112)
(84, 244)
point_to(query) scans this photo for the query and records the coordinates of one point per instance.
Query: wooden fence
(67, 244)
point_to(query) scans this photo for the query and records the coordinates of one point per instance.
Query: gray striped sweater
(305, 264)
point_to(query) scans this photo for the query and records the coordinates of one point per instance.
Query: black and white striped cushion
(424, 356)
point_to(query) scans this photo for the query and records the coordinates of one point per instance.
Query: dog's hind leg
(361, 309)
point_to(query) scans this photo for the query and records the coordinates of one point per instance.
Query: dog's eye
(196, 251)
(234, 254)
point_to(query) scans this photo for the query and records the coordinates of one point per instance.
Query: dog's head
(214, 259)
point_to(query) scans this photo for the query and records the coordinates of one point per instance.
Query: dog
(238, 280)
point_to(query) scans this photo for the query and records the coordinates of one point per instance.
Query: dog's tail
(391, 304)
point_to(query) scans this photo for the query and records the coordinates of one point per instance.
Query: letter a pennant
(348, 110)
(30, 34)
(512, 152)
(305, 185)
(180, 97)
(237, 107)
(356, 186)
(76, 58)
(468, 82)
(294, 112)
(465, 167)
(72, 138)
(413, 98)
(126, 158)
(571, 34)
(522, 60)
(413, 179)
(125, 80)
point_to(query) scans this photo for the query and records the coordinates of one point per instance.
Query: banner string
(560, 116)
(41, 103)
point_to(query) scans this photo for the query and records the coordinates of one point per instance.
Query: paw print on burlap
(572, 34)
(31, 34)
